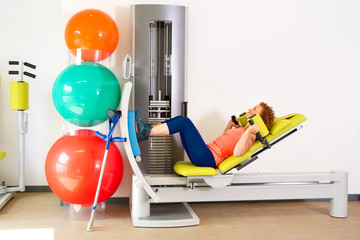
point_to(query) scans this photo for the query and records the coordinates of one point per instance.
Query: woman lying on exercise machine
(235, 140)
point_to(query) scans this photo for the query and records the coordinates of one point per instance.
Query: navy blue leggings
(197, 150)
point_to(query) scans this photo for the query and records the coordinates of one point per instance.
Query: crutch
(114, 116)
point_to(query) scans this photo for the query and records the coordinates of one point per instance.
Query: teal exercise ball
(83, 93)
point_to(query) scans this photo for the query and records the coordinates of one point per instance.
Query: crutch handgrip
(118, 139)
(100, 135)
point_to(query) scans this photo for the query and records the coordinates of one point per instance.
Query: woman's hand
(231, 124)
(253, 129)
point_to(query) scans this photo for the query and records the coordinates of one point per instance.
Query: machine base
(4, 198)
(168, 215)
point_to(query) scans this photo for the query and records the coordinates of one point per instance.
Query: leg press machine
(162, 200)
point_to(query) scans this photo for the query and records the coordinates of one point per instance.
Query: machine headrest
(282, 122)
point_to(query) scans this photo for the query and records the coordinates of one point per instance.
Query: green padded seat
(186, 168)
(281, 125)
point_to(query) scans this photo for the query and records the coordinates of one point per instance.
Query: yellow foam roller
(242, 119)
(263, 129)
(19, 96)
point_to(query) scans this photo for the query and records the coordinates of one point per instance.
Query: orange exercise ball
(73, 167)
(94, 32)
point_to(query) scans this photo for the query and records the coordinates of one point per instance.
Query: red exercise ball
(73, 167)
(94, 32)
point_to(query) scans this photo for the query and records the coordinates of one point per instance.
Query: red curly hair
(267, 114)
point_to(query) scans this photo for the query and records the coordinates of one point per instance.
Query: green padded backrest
(281, 125)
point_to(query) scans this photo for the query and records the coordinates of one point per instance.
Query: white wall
(299, 56)
(30, 30)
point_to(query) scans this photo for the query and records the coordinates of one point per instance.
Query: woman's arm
(246, 140)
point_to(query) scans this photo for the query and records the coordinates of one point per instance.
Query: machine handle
(29, 65)
(25, 64)
(240, 119)
(29, 74)
(260, 122)
(126, 67)
(21, 69)
(267, 143)
(234, 120)
(258, 135)
(184, 107)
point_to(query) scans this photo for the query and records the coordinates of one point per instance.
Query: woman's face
(254, 110)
